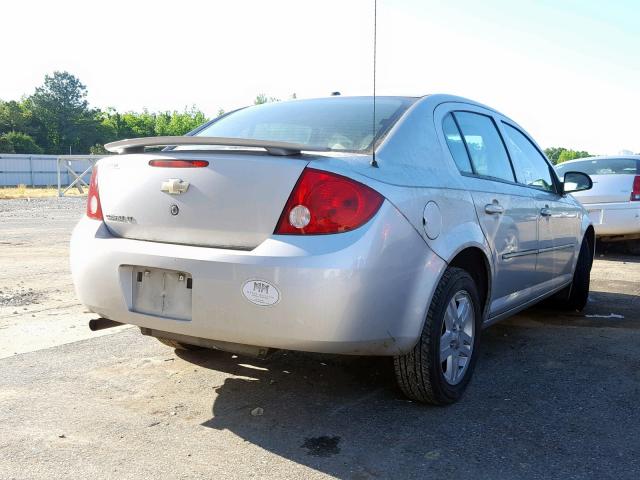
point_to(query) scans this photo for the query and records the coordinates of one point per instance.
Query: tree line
(561, 154)
(57, 119)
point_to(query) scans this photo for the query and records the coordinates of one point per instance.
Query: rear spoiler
(137, 145)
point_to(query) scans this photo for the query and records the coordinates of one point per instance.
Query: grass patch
(22, 191)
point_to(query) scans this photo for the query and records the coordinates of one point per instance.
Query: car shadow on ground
(536, 400)
(314, 408)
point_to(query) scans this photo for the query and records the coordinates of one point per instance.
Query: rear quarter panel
(415, 168)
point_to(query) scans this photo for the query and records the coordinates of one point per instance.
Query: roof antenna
(375, 28)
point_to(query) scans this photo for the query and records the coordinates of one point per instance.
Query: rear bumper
(613, 219)
(361, 292)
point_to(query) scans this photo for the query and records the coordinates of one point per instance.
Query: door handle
(494, 209)
(545, 212)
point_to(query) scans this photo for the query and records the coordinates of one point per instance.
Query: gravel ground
(19, 297)
(38, 308)
(43, 208)
(554, 395)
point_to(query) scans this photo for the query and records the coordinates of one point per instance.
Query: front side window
(487, 151)
(530, 166)
(456, 145)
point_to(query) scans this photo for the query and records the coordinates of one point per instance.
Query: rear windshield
(338, 123)
(604, 166)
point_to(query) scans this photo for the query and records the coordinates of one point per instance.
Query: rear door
(506, 211)
(558, 218)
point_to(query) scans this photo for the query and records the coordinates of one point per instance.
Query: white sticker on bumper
(260, 292)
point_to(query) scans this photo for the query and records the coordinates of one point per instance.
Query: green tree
(117, 126)
(57, 119)
(98, 149)
(20, 143)
(140, 124)
(179, 123)
(61, 106)
(262, 98)
(561, 154)
(14, 117)
(572, 155)
(553, 153)
(5, 145)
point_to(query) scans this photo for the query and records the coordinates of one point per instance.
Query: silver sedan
(314, 225)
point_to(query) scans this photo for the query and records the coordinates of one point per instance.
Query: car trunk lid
(233, 202)
(607, 189)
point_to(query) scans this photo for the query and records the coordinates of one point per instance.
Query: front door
(558, 228)
(558, 219)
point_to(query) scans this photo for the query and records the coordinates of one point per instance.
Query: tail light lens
(94, 209)
(635, 193)
(323, 202)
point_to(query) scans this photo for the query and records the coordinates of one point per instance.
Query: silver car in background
(309, 225)
(613, 202)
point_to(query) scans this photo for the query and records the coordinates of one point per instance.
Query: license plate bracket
(163, 293)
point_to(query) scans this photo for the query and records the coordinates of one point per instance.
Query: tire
(178, 345)
(420, 374)
(578, 293)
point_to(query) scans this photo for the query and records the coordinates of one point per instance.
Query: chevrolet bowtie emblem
(174, 186)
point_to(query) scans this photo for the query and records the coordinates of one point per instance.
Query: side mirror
(576, 182)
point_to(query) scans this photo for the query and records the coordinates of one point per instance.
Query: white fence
(63, 171)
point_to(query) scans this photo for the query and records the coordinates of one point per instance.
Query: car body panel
(349, 293)
(520, 239)
(608, 202)
(361, 292)
(607, 189)
(558, 223)
(235, 201)
(617, 218)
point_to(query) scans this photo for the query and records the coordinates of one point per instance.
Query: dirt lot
(554, 396)
(24, 192)
(38, 308)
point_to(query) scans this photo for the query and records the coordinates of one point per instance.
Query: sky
(567, 71)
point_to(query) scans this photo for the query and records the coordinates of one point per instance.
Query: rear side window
(456, 145)
(602, 166)
(487, 151)
(530, 166)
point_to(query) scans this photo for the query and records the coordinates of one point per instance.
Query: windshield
(603, 166)
(337, 123)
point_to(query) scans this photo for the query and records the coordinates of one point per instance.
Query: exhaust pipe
(102, 323)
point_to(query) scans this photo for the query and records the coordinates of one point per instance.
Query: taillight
(635, 192)
(178, 163)
(323, 202)
(94, 209)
